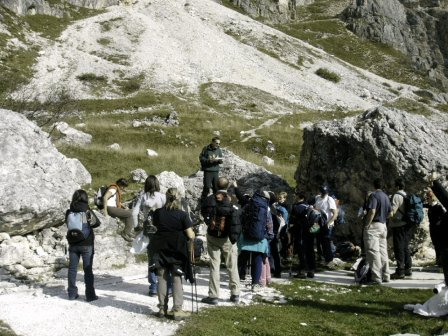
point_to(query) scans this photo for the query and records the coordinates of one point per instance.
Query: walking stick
(192, 270)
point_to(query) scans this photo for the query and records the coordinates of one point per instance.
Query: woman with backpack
(81, 244)
(147, 202)
(170, 252)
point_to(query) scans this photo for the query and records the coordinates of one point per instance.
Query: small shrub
(328, 75)
(91, 77)
(104, 41)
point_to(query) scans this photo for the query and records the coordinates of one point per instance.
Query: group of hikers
(259, 232)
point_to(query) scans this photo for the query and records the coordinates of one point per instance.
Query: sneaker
(93, 298)
(396, 276)
(386, 280)
(256, 288)
(180, 315)
(71, 298)
(408, 272)
(210, 300)
(152, 294)
(235, 298)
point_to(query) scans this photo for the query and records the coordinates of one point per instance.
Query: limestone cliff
(419, 29)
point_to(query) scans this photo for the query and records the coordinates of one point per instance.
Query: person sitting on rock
(115, 209)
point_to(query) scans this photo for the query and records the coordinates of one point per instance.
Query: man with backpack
(375, 233)
(223, 230)
(210, 158)
(400, 233)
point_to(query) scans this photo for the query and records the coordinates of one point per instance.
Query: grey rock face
(37, 181)
(30, 7)
(349, 153)
(272, 10)
(417, 28)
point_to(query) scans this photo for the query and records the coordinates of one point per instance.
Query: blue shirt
(379, 201)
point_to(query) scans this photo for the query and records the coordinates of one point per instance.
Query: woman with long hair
(147, 202)
(170, 251)
(81, 247)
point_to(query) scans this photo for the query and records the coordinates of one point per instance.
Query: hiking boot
(180, 315)
(210, 300)
(161, 313)
(408, 272)
(310, 275)
(300, 275)
(235, 298)
(396, 276)
(92, 298)
(126, 237)
(73, 297)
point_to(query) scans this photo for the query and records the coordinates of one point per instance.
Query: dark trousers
(401, 237)
(75, 253)
(324, 238)
(255, 265)
(307, 256)
(444, 257)
(275, 257)
(210, 181)
(437, 240)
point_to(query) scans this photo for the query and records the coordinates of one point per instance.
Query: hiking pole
(192, 270)
(292, 255)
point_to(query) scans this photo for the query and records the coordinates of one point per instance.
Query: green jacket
(206, 157)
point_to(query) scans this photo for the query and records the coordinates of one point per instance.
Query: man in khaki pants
(375, 234)
(223, 229)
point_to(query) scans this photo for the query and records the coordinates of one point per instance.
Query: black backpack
(363, 273)
(316, 219)
(219, 215)
(98, 198)
(254, 218)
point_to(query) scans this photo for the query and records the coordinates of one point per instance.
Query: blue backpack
(78, 227)
(413, 209)
(254, 218)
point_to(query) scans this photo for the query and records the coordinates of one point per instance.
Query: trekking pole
(192, 270)
(292, 255)
(195, 287)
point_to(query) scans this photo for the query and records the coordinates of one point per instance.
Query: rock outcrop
(37, 181)
(30, 7)
(348, 154)
(271, 10)
(419, 29)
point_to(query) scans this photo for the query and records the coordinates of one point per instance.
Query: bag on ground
(78, 228)
(98, 198)
(363, 273)
(254, 218)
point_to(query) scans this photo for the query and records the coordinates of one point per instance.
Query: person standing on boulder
(211, 158)
(375, 233)
(114, 208)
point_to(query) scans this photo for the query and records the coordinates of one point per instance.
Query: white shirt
(112, 201)
(146, 203)
(326, 204)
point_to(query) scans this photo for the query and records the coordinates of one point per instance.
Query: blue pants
(75, 253)
(255, 266)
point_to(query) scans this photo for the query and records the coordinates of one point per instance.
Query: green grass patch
(91, 77)
(321, 309)
(130, 85)
(328, 75)
(410, 106)
(104, 41)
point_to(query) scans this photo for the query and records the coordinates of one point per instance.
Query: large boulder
(348, 154)
(37, 181)
(31, 7)
(419, 29)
